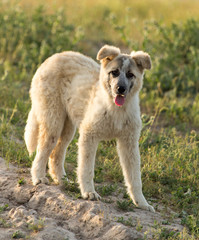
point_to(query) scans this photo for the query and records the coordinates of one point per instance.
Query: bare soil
(46, 212)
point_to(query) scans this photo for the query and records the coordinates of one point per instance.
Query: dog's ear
(142, 59)
(107, 54)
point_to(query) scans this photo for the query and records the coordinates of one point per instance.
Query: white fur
(67, 94)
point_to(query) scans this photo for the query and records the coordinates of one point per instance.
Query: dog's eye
(130, 75)
(115, 73)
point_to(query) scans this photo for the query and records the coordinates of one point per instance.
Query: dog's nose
(121, 89)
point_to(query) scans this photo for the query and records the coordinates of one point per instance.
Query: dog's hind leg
(57, 157)
(128, 150)
(47, 139)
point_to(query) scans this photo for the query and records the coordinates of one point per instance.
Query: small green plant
(4, 224)
(17, 235)
(36, 226)
(21, 181)
(3, 208)
(192, 223)
(165, 222)
(71, 187)
(125, 195)
(125, 205)
(139, 226)
(128, 222)
(162, 233)
(98, 175)
(106, 190)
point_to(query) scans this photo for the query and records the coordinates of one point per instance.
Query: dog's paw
(91, 196)
(151, 209)
(43, 180)
(147, 207)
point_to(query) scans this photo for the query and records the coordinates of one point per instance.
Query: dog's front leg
(128, 150)
(87, 147)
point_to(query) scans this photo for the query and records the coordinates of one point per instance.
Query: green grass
(106, 190)
(3, 208)
(169, 142)
(17, 235)
(21, 181)
(125, 205)
(37, 225)
(129, 222)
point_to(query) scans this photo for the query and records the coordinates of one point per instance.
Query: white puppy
(70, 90)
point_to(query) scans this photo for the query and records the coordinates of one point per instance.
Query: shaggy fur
(69, 91)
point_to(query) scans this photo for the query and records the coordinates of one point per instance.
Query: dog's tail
(31, 132)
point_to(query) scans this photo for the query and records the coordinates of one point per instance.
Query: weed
(125, 205)
(17, 235)
(4, 224)
(125, 195)
(98, 175)
(128, 222)
(165, 222)
(192, 223)
(165, 233)
(106, 190)
(3, 208)
(71, 187)
(139, 226)
(36, 226)
(21, 181)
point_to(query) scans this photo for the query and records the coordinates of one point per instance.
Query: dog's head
(121, 74)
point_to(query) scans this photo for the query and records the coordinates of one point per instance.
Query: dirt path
(47, 213)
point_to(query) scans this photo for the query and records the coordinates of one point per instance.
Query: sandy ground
(47, 213)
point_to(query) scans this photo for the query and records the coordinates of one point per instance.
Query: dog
(70, 90)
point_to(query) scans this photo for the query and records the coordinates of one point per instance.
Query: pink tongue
(119, 100)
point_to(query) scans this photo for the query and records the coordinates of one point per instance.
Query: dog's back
(61, 86)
